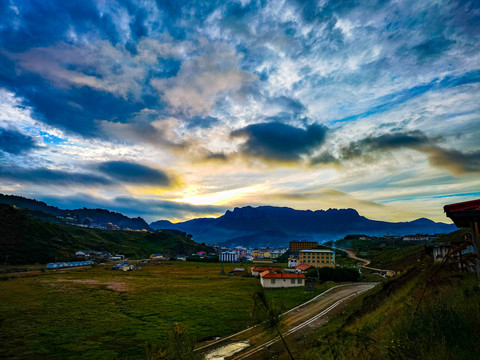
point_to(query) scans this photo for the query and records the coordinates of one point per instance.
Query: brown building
(317, 258)
(296, 246)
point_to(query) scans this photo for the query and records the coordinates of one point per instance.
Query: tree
(178, 346)
(268, 313)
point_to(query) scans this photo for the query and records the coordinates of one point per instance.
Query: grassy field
(27, 240)
(425, 312)
(105, 314)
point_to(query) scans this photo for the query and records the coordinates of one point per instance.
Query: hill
(95, 217)
(271, 225)
(249, 226)
(428, 311)
(28, 240)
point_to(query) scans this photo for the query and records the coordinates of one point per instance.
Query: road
(366, 262)
(310, 314)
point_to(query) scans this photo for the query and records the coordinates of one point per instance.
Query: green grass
(80, 315)
(26, 240)
(383, 323)
(387, 254)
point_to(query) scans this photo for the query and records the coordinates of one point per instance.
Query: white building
(229, 256)
(292, 262)
(415, 238)
(274, 281)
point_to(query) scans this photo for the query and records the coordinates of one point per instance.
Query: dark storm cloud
(133, 173)
(153, 209)
(455, 161)
(44, 176)
(104, 174)
(14, 142)
(324, 157)
(391, 141)
(216, 156)
(73, 109)
(280, 142)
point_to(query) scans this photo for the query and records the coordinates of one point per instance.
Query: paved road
(366, 262)
(294, 320)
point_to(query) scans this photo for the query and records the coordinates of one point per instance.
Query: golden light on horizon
(194, 196)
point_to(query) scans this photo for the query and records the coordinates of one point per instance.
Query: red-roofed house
(302, 268)
(271, 280)
(256, 270)
(467, 214)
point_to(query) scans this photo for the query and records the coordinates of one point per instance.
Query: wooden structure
(467, 214)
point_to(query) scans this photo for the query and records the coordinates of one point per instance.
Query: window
(292, 281)
(299, 281)
(273, 281)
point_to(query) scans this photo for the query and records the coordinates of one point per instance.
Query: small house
(256, 270)
(302, 268)
(292, 262)
(238, 272)
(272, 280)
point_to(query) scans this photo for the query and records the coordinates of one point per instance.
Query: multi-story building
(317, 258)
(296, 246)
(240, 251)
(228, 256)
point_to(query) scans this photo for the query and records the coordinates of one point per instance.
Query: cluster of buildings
(307, 253)
(304, 256)
(98, 255)
(413, 238)
(243, 254)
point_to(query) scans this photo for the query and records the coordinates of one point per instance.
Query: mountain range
(269, 225)
(251, 226)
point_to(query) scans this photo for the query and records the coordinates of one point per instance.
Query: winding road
(251, 342)
(366, 262)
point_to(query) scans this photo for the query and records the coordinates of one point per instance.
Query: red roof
(462, 214)
(282, 276)
(264, 259)
(466, 205)
(263, 268)
(303, 267)
(263, 273)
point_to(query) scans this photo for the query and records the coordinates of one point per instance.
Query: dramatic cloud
(200, 79)
(277, 141)
(14, 142)
(150, 209)
(133, 173)
(455, 161)
(235, 98)
(43, 176)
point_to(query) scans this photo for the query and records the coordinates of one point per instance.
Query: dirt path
(309, 314)
(366, 262)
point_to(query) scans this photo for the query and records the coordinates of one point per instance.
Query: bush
(334, 274)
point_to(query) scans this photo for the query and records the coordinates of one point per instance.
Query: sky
(183, 109)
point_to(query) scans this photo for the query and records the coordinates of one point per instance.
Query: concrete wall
(280, 283)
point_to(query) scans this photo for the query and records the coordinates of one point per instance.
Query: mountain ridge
(240, 225)
(271, 225)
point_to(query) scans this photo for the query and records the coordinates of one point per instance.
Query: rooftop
(263, 268)
(318, 251)
(282, 276)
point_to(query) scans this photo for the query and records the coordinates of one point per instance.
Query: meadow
(425, 312)
(105, 314)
